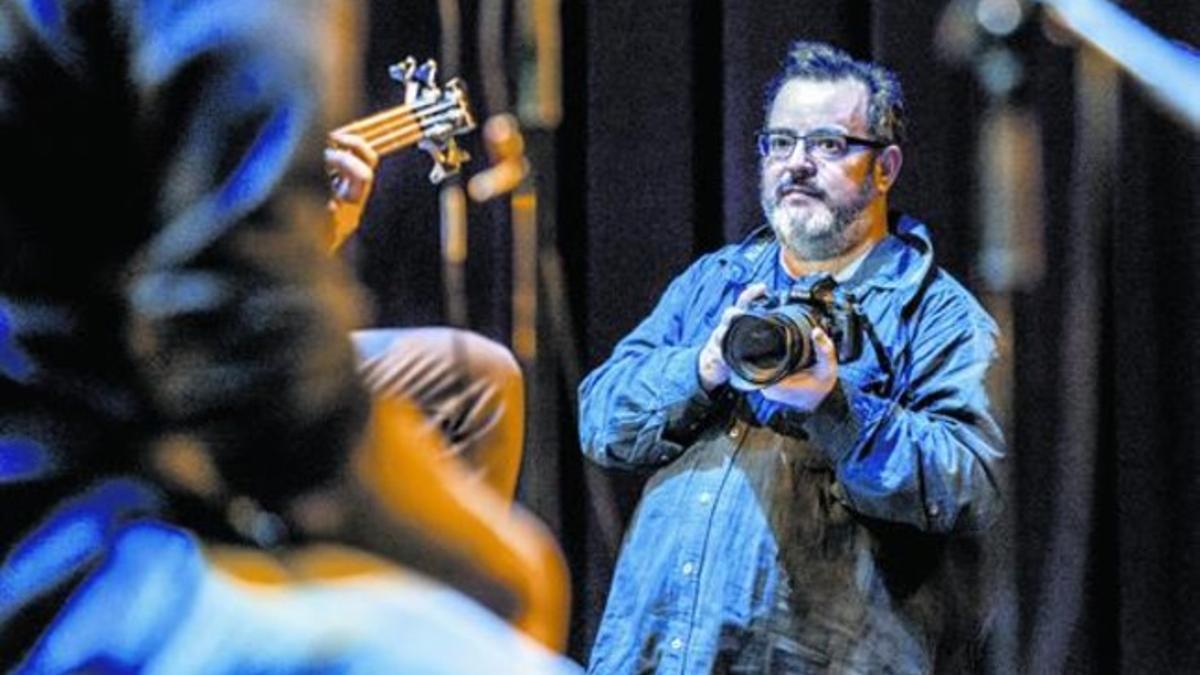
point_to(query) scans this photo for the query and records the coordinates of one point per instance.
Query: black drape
(653, 164)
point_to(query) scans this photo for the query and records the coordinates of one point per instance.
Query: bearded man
(822, 476)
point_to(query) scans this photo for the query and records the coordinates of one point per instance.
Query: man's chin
(803, 223)
(808, 241)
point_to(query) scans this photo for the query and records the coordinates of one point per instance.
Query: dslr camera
(773, 339)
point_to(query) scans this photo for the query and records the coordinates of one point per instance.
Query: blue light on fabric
(48, 14)
(14, 364)
(260, 170)
(72, 537)
(22, 459)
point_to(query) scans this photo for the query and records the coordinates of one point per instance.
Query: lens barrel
(763, 348)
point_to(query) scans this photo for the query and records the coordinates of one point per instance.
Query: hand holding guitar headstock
(429, 118)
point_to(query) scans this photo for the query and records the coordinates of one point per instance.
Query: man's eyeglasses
(828, 145)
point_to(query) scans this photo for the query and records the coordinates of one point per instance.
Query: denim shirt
(769, 540)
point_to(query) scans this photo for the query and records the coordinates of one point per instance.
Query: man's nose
(800, 164)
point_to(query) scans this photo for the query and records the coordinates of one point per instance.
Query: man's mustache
(789, 183)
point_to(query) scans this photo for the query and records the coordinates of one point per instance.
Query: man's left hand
(351, 162)
(805, 389)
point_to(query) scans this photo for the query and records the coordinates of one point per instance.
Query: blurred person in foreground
(825, 518)
(174, 369)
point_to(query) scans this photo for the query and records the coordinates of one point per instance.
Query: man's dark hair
(825, 63)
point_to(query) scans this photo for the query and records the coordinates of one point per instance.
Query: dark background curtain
(653, 164)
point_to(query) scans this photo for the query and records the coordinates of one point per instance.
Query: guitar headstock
(443, 113)
(430, 118)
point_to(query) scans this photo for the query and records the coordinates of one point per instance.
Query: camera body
(773, 339)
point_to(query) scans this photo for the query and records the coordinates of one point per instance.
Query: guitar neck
(403, 126)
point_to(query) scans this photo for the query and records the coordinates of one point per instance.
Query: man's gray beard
(841, 230)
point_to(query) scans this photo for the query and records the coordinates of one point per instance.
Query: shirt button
(676, 644)
(705, 498)
(688, 568)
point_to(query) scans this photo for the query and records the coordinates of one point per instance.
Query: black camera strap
(881, 355)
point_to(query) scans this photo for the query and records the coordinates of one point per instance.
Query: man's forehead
(815, 103)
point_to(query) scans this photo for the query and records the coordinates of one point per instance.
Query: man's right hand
(712, 368)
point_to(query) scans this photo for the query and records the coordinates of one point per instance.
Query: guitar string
(404, 136)
(386, 120)
(397, 128)
(383, 115)
(428, 117)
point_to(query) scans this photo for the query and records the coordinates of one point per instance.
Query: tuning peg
(440, 172)
(456, 92)
(456, 156)
(403, 71)
(426, 74)
(448, 159)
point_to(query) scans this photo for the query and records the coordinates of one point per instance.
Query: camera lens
(763, 349)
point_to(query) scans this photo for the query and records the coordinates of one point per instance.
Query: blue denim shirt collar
(902, 261)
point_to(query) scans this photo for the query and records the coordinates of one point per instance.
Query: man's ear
(887, 167)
